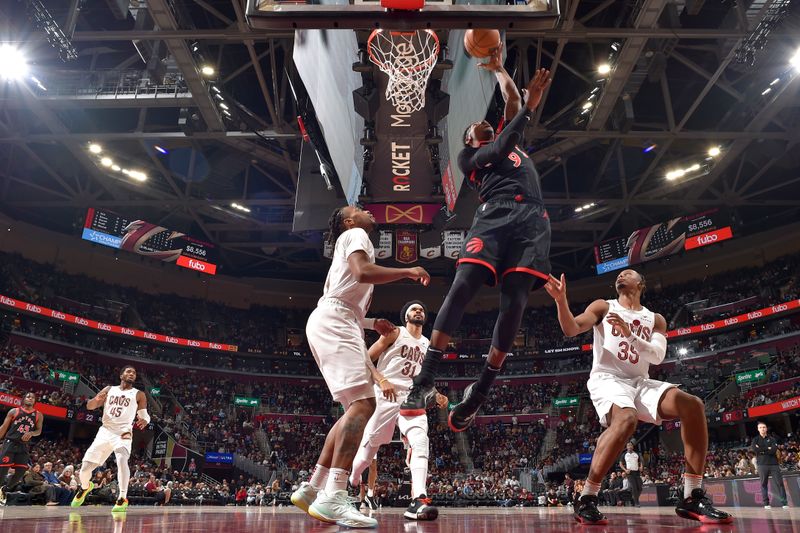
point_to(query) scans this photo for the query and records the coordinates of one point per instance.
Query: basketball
(481, 43)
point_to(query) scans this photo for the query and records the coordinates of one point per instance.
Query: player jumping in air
(20, 425)
(398, 357)
(122, 404)
(335, 333)
(508, 243)
(628, 338)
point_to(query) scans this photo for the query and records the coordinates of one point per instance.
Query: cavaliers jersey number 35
(613, 354)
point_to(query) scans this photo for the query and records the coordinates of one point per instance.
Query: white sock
(691, 482)
(418, 481)
(370, 493)
(319, 477)
(590, 488)
(337, 480)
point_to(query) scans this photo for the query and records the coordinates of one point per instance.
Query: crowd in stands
(700, 300)
(198, 411)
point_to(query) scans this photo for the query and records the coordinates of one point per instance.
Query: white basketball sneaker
(304, 496)
(337, 508)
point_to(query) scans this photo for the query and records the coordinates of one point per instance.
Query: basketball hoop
(408, 58)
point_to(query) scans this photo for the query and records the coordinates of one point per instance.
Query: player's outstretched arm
(511, 95)
(382, 344)
(6, 424)
(572, 325)
(366, 272)
(98, 400)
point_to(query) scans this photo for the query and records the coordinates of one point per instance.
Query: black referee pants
(635, 481)
(764, 472)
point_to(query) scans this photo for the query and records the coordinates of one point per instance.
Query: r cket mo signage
(401, 169)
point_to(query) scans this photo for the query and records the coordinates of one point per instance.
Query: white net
(408, 59)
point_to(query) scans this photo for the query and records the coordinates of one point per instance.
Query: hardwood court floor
(287, 520)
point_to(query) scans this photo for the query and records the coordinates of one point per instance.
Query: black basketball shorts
(14, 455)
(507, 236)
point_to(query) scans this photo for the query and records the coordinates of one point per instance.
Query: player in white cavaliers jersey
(122, 404)
(335, 333)
(628, 338)
(399, 357)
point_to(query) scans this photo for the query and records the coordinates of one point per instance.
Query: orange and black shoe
(698, 507)
(587, 513)
(419, 399)
(463, 414)
(421, 509)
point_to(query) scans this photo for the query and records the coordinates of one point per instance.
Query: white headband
(414, 306)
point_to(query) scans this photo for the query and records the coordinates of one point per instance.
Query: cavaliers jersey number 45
(613, 354)
(403, 359)
(119, 410)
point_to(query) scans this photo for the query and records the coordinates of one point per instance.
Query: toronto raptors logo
(474, 245)
(6, 459)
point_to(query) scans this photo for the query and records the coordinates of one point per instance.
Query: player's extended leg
(469, 279)
(694, 432)
(331, 504)
(514, 292)
(306, 493)
(85, 479)
(123, 479)
(621, 426)
(372, 478)
(420, 507)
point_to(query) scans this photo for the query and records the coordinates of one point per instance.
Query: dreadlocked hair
(335, 225)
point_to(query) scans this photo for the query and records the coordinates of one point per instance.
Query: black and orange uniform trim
(511, 229)
(15, 451)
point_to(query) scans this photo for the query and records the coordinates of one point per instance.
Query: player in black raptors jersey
(20, 425)
(509, 244)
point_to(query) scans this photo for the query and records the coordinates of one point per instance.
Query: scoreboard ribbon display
(662, 240)
(144, 238)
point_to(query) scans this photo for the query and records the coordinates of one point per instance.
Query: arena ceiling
(687, 75)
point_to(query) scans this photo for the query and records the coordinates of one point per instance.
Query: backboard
(369, 14)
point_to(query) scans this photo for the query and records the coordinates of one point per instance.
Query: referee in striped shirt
(631, 463)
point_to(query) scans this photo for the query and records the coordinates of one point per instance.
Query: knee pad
(419, 443)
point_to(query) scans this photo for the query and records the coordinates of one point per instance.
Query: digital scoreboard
(150, 240)
(662, 240)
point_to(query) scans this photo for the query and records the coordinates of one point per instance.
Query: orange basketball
(481, 43)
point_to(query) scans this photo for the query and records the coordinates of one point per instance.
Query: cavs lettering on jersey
(613, 354)
(24, 422)
(119, 410)
(403, 359)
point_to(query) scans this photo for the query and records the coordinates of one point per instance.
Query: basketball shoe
(463, 414)
(698, 507)
(421, 509)
(337, 508)
(586, 511)
(77, 501)
(121, 506)
(370, 502)
(304, 496)
(419, 398)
